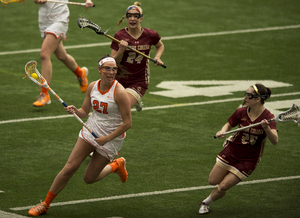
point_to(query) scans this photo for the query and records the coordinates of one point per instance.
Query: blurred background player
(110, 119)
(53, 25)
(243, 150)
(134, 66)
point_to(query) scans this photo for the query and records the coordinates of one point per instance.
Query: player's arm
(118, 55)
(224, 129)
(271, 133)
(85, 109)
(159, 51)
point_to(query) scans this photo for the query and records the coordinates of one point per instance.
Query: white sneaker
(204, 209)
(91, 154)
(139, 106)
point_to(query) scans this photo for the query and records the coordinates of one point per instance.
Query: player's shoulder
(149, 31)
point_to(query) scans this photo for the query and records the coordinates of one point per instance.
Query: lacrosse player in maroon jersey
(243, 150)
(134, 66)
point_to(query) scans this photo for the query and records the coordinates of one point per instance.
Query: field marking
(168, 38)
(142, 194)
(4, 214)
(146, 108)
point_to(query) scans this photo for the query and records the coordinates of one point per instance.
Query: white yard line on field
(168, 38)
(142, 194)
(147, 108)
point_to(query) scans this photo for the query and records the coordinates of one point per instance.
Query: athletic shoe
(42, 100)
(83, 81)
(139, 106)
(204, 209)
(121, 170)
(39, 209)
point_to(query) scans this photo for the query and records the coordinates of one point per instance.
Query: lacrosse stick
(10, 1)
(33, 74)
(292, 114)
(86, 23)
(71, 3)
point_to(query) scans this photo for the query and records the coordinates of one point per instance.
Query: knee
(88, 180)
(213, 181)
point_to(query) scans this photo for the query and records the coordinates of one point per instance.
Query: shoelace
(41, 96)
(40, 207)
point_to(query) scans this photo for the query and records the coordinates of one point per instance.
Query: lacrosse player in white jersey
(110, 119)
(53, 24)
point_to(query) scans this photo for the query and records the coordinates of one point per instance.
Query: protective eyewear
(108, 69)
(135, 15)
(250, 95)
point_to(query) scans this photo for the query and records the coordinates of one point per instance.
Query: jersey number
(100, 107)
(132, 57)
(246, 138)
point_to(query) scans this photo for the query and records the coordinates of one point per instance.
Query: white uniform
(104, 119)
(54, 18)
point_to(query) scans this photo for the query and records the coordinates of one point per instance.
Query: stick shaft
(75, 115)
(71, 3)
(245, 127)
(132, 49)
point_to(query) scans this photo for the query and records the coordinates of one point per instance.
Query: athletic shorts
(58, 29)
(240, 168)
(109, 150)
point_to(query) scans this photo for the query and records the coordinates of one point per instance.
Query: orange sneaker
(39, 209)
(121, 170)
(83, 81)
(42, 100)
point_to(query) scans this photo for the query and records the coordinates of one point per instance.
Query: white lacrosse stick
(70, 3)
(293, 114)
(34, 75)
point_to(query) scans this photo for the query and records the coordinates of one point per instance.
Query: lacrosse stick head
(293, 114)
(86, 23)
(33, 74)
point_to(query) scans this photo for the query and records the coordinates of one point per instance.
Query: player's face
(133, 19)
(250, 96)
(108, 70)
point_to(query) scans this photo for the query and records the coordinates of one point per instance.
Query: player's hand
(71, 109)
(220, 134)
(88, 4)
(159, 62)
(265, 124)
(101, 140)
(123, 45)
(40, 1)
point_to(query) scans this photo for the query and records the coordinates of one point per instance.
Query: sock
(208, 201)
(114, 166)
(78, 72)
(45, 91)
(50, 197)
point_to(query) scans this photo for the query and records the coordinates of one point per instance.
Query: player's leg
(70, 62)
(49, 45)
(77, 156)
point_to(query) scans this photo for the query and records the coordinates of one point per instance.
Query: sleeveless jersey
(105, 119)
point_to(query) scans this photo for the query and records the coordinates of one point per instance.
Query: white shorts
(109, 150)
(58, 29)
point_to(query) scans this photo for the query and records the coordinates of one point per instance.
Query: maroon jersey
(136, 67)
(243, 150)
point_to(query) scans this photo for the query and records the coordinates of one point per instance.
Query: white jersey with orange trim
(105, 119)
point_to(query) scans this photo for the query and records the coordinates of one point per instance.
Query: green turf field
(214, 50)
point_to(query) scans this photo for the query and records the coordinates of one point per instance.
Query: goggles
(107, 69)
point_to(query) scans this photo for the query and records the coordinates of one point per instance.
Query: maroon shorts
(139, 87)
(238, 166)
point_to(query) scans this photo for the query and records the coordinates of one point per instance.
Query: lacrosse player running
(135, 67)
(110, 119)
(243, 150)
(53, 24)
